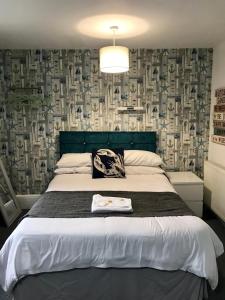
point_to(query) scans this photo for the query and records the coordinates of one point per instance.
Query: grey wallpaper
(45, 91)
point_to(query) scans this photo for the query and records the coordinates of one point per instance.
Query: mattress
(50, 243)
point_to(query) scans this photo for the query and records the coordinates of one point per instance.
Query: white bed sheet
(134, 183)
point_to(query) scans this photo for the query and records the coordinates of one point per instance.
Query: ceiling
(55, 23)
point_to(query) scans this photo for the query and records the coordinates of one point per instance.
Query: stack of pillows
(110, 163)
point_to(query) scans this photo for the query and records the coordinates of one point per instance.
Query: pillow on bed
(108, 163)
(60, 171)
(73, 170)
(142, 158)
(70, 160)
(142, 170)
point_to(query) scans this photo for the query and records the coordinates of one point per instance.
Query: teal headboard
(86, 141)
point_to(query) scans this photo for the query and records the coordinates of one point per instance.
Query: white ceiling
(53, 23)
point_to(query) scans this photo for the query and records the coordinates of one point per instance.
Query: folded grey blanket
(78, 205)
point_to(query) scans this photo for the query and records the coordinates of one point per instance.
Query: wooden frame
(10, 210)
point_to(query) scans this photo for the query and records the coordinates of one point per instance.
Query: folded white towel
(108, 204)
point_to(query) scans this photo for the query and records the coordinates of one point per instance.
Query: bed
(63, 251)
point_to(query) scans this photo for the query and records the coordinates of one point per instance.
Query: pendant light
(114, 59)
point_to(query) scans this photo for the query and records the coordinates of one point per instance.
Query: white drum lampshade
(114, 59)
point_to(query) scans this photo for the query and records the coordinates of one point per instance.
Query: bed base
(112, 284)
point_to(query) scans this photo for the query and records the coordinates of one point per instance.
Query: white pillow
(60, 171)
(70, 160)
(141, 158)
(142, 170)
(73, 170)
(83, 170)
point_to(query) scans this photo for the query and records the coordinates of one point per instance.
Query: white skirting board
(26, 201)
(214, 188)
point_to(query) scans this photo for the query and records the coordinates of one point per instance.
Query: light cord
(114, 30)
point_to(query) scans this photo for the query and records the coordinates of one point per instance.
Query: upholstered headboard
(86, 141)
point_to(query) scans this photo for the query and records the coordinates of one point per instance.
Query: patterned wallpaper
(45, 91)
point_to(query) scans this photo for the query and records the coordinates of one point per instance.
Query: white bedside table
(190, 188)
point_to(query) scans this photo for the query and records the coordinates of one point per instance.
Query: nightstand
(190, 188)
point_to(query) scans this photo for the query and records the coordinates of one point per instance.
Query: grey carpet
(3, 295)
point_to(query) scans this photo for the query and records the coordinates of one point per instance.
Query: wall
(45, 91)
(215, 168)
(216, 151)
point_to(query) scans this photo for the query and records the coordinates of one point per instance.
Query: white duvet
(167, 243)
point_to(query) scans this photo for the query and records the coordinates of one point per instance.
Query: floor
(217, 225)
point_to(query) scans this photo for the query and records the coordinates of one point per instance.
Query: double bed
(61, 250)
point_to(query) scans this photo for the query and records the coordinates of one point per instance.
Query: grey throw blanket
(78, 205)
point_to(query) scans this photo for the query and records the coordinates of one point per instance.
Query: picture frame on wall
(218, 135)
(9, 206)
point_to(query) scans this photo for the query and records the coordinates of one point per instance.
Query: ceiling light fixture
(114, 59)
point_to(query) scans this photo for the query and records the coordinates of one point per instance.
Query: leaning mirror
(9, 205)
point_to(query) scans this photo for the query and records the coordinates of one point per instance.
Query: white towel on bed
(107, 204)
